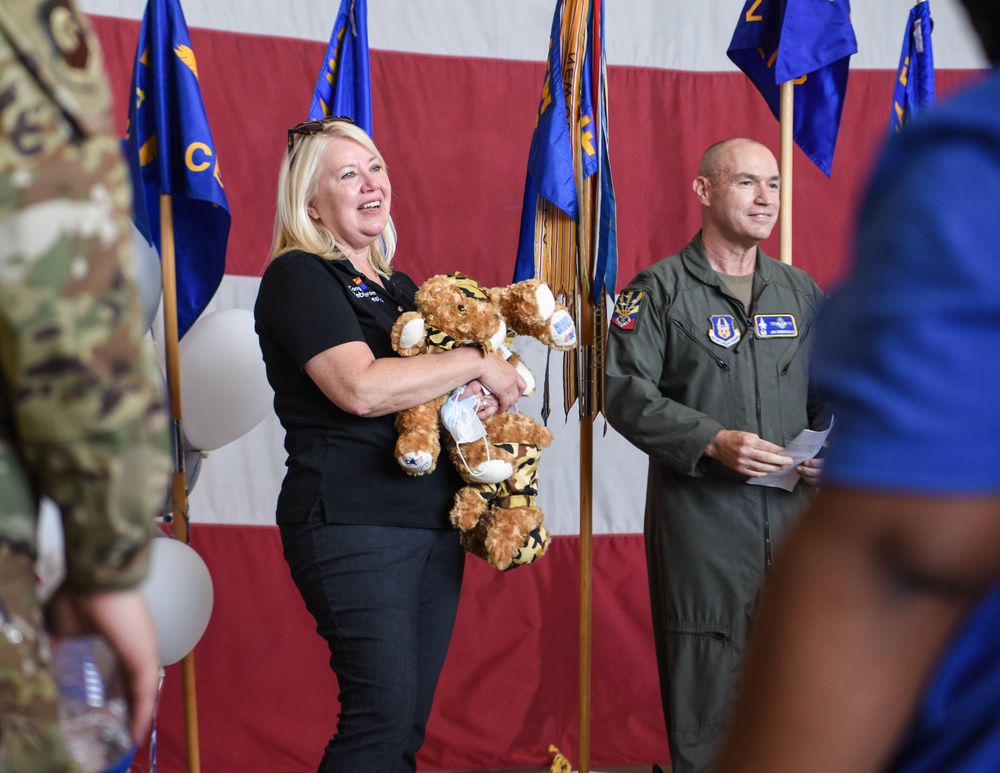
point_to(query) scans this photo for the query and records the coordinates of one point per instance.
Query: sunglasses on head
(309, 128)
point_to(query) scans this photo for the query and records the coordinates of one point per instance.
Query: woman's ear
(312, 212)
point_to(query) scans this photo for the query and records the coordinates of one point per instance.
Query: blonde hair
(297, 184)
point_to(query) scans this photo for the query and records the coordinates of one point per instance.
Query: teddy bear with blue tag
(496, 511)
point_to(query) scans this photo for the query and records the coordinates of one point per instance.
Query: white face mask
(460, 419)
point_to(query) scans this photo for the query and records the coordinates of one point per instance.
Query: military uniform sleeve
(83, 416)
(665, 429)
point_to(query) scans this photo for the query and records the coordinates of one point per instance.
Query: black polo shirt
(306, 305)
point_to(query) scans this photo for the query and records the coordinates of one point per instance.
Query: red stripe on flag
(455, 134)
(267, 699)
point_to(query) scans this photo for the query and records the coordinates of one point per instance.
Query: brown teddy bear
(496, 512)
(501, 522)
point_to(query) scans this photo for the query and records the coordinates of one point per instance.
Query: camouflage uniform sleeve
(81, 417)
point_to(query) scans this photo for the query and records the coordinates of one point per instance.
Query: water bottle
(93, 709)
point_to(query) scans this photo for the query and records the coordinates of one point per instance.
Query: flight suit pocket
(704, 666)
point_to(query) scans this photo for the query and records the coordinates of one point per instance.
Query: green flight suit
(684, 361)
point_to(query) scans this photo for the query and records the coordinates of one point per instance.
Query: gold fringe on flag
(564, 247)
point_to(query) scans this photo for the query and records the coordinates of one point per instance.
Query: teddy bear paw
(416, 462)
(465, 520)
(492, 471)
(562, 329)
(545, 301)
(411, 334)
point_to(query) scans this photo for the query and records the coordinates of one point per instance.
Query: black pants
(384, 599)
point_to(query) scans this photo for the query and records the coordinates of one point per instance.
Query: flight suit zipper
(760, 428)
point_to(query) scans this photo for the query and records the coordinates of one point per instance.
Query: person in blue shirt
(878, 645)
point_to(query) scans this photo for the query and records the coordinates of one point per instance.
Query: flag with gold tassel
(569, 241)
(568, 233)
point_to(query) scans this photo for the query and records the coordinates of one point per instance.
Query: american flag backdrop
(455, 96)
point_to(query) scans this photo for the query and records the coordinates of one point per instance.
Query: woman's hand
(502, 381)
(487, 404)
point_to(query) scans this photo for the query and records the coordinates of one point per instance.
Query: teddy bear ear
(433, 285)
(469, 286)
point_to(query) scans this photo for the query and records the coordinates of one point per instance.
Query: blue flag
(914, 90)
(170, 150)
(606, 264)
(809, 42)
(551, 167)
(550, 157)
(568, 235)
(344, 86)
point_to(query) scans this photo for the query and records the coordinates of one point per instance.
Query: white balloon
(147, 276)
(179, 594)
(224, 389)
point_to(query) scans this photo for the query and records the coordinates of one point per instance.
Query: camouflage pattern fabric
(29, 708)
(81, 409)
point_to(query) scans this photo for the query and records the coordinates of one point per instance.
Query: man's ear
(701, 187)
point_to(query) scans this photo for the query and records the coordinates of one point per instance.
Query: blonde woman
(369, 547)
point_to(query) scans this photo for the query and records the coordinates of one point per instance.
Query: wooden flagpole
(178, 482)
(787, 146)
(588, 335)
(586, 526)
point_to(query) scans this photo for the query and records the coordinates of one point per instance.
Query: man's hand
(811, 470)
(122, 618)
(746, 453)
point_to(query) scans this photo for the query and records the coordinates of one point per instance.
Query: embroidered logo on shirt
(724, 331)
(775, 326)
(361, 291)
(626, 313)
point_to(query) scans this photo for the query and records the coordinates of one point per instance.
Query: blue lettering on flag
(809, 42)
(344, 83)
(915, 88)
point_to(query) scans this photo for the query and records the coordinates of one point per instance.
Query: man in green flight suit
(82, 419)
(707, 373)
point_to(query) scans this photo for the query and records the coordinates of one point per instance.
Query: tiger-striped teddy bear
(496, 512)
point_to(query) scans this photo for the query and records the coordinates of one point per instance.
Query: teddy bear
(501, 522)
(496, 512)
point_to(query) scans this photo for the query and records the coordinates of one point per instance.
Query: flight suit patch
(626, 314)
(775, 326)
(723, 331)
